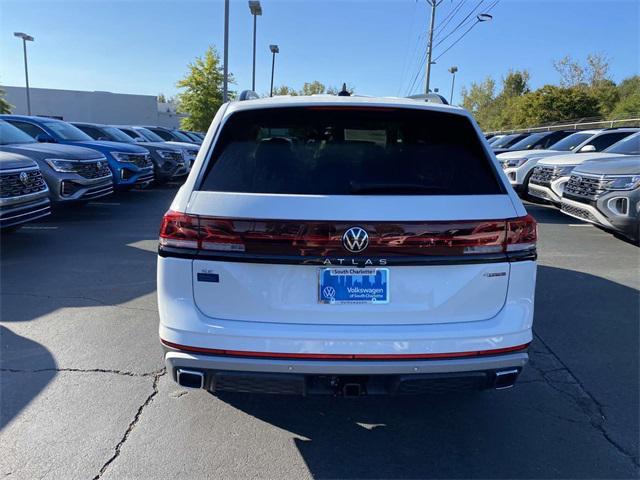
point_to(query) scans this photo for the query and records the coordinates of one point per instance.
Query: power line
(405, 64)
(466, 31)
(448, 18)
(460, 24)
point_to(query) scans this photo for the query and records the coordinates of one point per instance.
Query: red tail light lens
(219, 235)
(324, 239)
(522, 234)
(179, 230)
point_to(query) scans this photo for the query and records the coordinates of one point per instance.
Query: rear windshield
(350, 151)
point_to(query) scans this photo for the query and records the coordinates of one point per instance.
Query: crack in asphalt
(589, 405)
(132, 425)
(125, 373)
(88, 299)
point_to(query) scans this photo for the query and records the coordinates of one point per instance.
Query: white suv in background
(332, 245)
(551, 174)
(518, 166)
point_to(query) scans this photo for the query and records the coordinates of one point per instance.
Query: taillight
(220, 235)
(179, 230)
(522, 234)
(389, 240)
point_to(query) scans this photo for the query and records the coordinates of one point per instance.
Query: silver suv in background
(24, 195)
(143, 136)
(606, 192)
(72, 173)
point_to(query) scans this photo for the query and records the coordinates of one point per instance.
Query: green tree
(284, 90)
(5, 107)
(629, 86)
(202, 91)
(313, 88)
(162, 98)
(480, 100)
(628, 107)
(515, 83)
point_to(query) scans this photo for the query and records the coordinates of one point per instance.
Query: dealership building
(95, 107)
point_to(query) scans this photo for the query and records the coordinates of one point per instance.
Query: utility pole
(225, 80)
(434, 4)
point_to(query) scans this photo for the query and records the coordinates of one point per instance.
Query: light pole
(25, 38)
(255, 9)
(434, 4)
(452, 71)
(225, 80)
(274, 49)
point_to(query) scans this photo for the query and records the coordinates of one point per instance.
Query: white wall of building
(96, 107)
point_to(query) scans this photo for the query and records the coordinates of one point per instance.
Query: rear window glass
(350, 151)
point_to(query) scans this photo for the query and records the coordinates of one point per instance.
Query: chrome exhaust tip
(506, 378)
(189, 378)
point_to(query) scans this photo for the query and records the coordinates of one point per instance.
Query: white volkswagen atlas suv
(346, 246)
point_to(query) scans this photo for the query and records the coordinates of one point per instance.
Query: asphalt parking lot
(84, 393)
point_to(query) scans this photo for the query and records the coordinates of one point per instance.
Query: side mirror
(587, 148)
(103, 139)
(139, 140)
(45, 138)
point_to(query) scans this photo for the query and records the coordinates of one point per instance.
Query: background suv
(314, 250)
(607, 193)
(72, 173)
(168, 160)
(144, 136)
(536, 141)
(518, 166)
(130, 165)
(552, 173)
(24, 195)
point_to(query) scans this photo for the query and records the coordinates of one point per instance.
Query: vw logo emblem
(98, 165)
(329, 292)
(355, 239)
(24, 178)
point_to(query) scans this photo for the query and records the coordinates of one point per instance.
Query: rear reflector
(324, 239)
(345, 356)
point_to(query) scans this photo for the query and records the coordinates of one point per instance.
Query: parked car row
(592, 175)
(74, 162)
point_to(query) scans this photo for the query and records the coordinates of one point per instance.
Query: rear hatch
(349, 216)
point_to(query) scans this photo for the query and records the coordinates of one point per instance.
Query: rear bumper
(308, 377)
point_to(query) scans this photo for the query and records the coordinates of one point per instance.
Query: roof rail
(248, 95)
(430, 97)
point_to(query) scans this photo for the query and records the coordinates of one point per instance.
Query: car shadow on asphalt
(518, 433)
(16, 390)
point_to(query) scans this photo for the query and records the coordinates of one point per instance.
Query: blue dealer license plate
(353, 285)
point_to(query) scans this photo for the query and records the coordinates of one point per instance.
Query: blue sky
(143, 47)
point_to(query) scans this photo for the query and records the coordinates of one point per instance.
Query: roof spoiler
(430, 97)
(248, 95)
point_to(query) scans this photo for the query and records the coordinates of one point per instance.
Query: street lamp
(452, 71)
(25, 38)
(274, 49)
(255, 9)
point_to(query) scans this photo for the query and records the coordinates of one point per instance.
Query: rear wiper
(397, 188)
